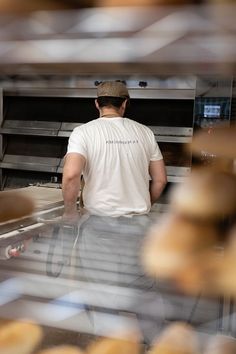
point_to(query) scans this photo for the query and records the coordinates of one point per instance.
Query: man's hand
(71, 218)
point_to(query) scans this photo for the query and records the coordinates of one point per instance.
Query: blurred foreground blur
(122, 286)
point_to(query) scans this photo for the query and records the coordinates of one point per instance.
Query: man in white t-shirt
(124, 174)
(121, 162)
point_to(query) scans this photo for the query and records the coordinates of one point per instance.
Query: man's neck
(109, 113)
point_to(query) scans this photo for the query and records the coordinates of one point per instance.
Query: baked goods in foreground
(225, 280)
(173, 242)
(201, 275)
(221, 142)
(177, 338)
(14, 205)
(221, 344)
(114, 346)
(139, 2)
(206, 195)
(62, 349)
(185, 247)
(19, 337)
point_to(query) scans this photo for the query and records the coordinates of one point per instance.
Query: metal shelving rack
(57, 132)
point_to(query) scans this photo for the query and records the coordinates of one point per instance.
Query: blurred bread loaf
(221, 344)
(171, 244)
(188, 248)
(114, 346)
(226, 276)
(206, 195)
(62, 349)
(14, 205)
(221, 141)
(19, 337)
(201, 275)
(212, 272)
(139, 2)
(177, 338)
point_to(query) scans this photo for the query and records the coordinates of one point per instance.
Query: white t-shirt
(117, 152)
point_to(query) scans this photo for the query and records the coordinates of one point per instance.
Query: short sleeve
(155, 150)
(77, 143)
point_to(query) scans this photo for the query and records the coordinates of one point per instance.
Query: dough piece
(226, 277)
(206, 195)
(201, 275)
(221, 142)
(19, 337)
(14, 205)
(221, 344)
(178, 338)
(213, 272)
(172, 243)
(140, 2)
(114, 346)
(62, 349)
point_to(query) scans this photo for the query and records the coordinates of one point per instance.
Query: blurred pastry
(124, 3)
(231, 244)
(225, 281)
(14, 205)
(205, 195)
(221, 142)
(201, 275)
(212, 272)
(221, 344)
(19, 337)
(114, 346)
(177, 338)
(226, 276)
(171, 244)
(140, 2)
(62, 349)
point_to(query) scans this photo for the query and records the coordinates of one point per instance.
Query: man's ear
(124, 104)
(96, 104)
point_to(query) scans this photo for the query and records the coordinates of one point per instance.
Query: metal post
(1, 137)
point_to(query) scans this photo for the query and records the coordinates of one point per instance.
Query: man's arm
(157, 172)
(73, 167)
